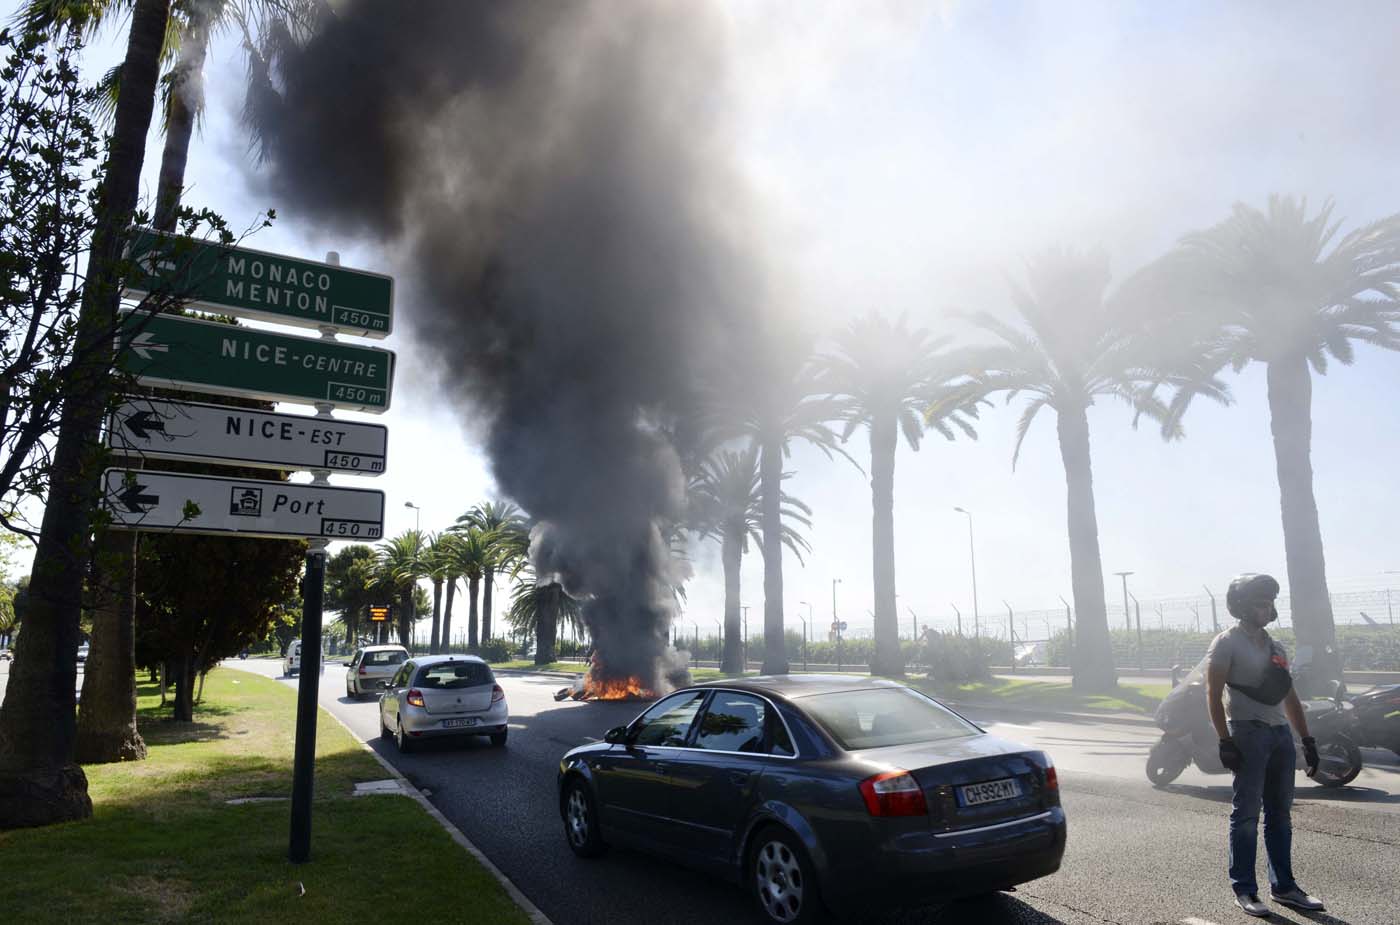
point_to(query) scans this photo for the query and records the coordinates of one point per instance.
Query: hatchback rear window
(385, 658)
(454, 675)
(884, 716)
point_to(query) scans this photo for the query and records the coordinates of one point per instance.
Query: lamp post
(719, 657)
(1011, 629)
(835, 623)
(417, 516)
(972, 559)
(744, 652)
(1138, 609)
(1127, 614)
(804, 632)
(959, 613)
(1214, 619)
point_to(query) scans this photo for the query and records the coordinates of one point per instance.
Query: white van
(291, 665)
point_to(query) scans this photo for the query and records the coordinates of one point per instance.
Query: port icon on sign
(245, 502)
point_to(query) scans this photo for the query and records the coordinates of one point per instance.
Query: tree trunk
(107, 715)
(473, 589)
(406, 616)
(1093, 647)
(186, 99)
(884, 440)
(488, 578)
(39, 781)
(731, 553)
(184, 691)
(1290, 418)
(447, 616)
(437, 616)
(547, 625)
(770, 474)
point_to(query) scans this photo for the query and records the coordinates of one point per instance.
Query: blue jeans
(1265, 777)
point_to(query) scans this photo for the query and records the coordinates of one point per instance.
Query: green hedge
(1363, 648)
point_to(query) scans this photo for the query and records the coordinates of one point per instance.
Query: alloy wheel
(778, 876)
(577, 816)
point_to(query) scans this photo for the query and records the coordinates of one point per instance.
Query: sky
(907, 158)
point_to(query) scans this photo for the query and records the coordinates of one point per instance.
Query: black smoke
(554, 180)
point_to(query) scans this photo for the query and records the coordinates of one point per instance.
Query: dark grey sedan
(819, 794)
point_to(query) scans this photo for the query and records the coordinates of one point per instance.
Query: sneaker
(1250, 903)
(1299, 900)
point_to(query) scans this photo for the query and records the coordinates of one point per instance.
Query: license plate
(989, 791)
(455, 723)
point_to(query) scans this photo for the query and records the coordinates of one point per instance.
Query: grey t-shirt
(1245, 662)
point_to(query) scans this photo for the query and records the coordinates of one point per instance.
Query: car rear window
(385, 658)
(454, 675)
(883, 716)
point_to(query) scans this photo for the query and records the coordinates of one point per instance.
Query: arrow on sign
(141, 344)
(142, 422)
(133, 499)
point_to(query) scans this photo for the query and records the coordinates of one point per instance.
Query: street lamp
(835, 623)
(972, 557)
(804, 632)
(417, 516)
(1127, 614)
(745, 650)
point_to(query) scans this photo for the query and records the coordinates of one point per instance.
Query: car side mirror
(617, 735)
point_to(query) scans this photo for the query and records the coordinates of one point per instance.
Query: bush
(498, 650)
(958, 659)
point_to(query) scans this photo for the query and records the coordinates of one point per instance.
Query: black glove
(1310, 755)
(1230, 755)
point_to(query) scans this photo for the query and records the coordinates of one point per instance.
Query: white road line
(1192, 920)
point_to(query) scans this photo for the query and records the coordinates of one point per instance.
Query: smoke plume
(554, 181)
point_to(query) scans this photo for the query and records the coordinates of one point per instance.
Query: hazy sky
(906, 158)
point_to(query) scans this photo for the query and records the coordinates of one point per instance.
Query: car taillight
(364, 670)
(497, 693)
(415, 697)
(894, 793)
(1052, 780)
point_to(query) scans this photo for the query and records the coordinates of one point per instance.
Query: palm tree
(498, 520)
(402, 562)
(884, 376)
(1263, 287)
(784, 407)
(1072, 350)
(349, 574)
(468, 555)
(537, 610)
(726, 504)
(437, 560)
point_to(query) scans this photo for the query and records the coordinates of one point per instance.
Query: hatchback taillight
(1052, 780)
(894, 793)
(497, 693)
(364, 670)
(415, 697)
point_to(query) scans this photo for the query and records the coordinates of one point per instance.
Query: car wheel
(782, 881)
(498, 739)
(384, 732)
(401, 738)
(581, 821)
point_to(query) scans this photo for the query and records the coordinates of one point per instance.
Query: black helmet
(1249, 589)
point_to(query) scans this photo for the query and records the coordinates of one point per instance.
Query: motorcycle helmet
(1247, 590)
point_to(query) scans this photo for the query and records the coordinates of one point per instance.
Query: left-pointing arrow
(142, 422)
(142, 346)
(135, 501)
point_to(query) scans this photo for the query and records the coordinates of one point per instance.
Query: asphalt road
(1136, 855)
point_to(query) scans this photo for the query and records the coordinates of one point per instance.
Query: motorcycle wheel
(1165, 762)
(1348, 757)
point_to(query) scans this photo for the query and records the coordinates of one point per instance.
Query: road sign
(379, 614)
(171, 351)
(167, 501)
(255, 284)
(843, 626)
(239, 436)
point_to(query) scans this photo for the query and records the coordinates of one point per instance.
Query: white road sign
(238, 436)
(175, 502)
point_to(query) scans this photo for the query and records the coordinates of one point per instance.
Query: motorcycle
(1375, 712)
(1188, 736)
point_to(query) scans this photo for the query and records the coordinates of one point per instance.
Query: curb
(413, 793)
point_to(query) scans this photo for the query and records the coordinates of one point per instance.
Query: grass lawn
(525, 664)
(164, 846)
(1052, 695)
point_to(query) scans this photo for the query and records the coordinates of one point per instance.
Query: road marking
(1192, 920)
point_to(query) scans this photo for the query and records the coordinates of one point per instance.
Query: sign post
(304, 752)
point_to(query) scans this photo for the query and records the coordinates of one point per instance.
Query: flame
(593, 687)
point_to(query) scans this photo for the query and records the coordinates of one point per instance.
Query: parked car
(443, 695)
(370, 667)
(5, 655)
(819, 793)
(291, 663)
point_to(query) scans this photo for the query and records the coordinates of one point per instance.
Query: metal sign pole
(307, 688)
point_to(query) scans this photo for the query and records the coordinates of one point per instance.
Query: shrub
(498, 650)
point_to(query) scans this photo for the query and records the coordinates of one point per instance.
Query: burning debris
(571, 238)
(595, 684)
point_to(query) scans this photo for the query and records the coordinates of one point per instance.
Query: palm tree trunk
(1290, 413)
(406, 616)
(473, 589)
(1093, 647)
(447, 615)
(107, 715)
(770, 476)
(488, 578)
(186, 95)
(39, 781)
(731, 554)
(884, 439)
(437, 615)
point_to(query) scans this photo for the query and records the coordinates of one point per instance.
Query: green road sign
(255, 284)
(173, 352)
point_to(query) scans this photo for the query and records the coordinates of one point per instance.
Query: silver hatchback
(370, 667)
(443, 695)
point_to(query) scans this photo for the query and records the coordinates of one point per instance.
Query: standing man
(1252, 701)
